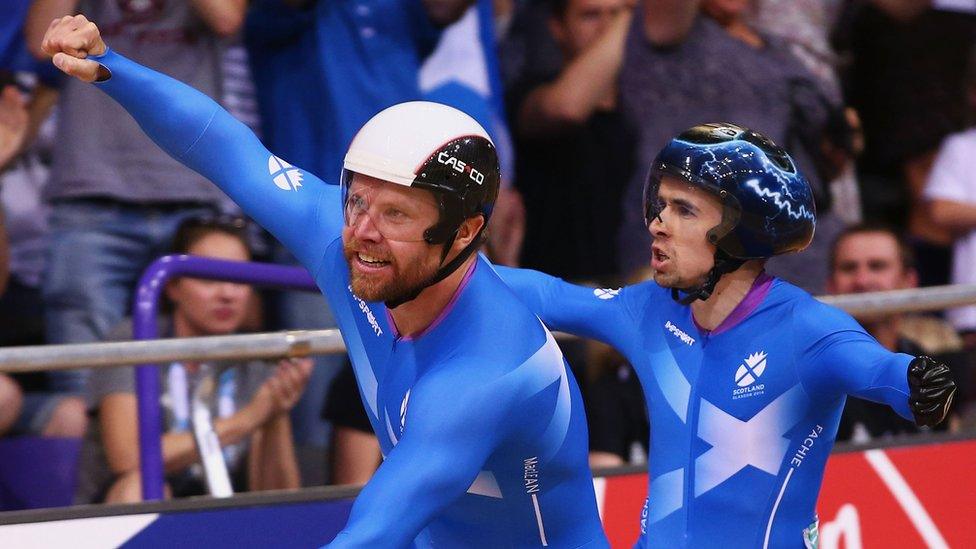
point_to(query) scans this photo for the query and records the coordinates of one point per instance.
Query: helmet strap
(445, 270)
(724, 264)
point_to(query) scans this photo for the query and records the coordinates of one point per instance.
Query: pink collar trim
(440, 318)
(760, 288)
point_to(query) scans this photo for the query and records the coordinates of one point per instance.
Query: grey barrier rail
(313, 342)
(148, 351)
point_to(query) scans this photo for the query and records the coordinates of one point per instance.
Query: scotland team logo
(747, 374)
(754, 367)
(285, 176)
(606, 293)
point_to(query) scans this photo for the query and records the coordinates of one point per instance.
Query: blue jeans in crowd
(98, 250)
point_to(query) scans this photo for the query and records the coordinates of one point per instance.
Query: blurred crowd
(875, 99)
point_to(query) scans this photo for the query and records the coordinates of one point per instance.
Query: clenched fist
(70, 40)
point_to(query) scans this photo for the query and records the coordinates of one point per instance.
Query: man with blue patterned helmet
(767, 207)
(744, 375)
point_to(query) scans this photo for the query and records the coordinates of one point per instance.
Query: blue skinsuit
(481, 424)
(742, 418)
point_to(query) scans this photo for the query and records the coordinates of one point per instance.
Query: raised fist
(70, 40)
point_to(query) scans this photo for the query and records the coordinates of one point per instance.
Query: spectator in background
(906, 81)
(355, 452)
(13, 127)
(807, 27)
(616, 413)
(116, 197)
(250, 406)
(683, 67)
(323, 68)
(13, 123)
(526, 50)
(868, 258)
(22, 178)
(11, 402)
(575, 146)
(951, 196)
(463, 72)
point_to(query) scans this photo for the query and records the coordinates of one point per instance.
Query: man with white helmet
(479, 420)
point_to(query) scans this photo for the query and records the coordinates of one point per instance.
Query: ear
(468, 231)
(557, 29)
(911, 279)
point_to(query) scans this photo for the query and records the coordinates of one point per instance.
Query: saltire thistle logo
(748, 373)
(285, 176)
(606, 293)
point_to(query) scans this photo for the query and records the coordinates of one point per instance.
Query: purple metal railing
(144, 313)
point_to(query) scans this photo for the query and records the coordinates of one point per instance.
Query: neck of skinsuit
(728, 293)
(416, 315)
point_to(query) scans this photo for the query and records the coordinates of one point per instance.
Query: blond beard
(413, 277)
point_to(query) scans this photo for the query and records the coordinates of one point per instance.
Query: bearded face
(388, 272)
(383, 239)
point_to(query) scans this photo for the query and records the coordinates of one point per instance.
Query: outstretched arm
(297, 208)
(852, 362)
(601, 314)
(444, 445)
(838, 357)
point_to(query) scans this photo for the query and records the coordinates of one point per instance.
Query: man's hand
(13, 123)
(932, 389)
(70, 40)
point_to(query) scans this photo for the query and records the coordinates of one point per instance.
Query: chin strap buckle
(723, 265)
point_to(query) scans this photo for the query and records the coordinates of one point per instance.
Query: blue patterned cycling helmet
(768, 206)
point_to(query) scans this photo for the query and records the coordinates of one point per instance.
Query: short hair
(559, 7)
(194, 229)
(906, 253)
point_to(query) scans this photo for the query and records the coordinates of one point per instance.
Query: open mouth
(658, 255)
(370, 261)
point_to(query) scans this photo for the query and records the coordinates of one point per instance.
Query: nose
(863, 280)
(363, 228)
(229, 291)
(658, 228)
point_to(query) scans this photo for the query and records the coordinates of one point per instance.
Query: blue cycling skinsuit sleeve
(445, 443)
(196, 131)
(846, 360)
(610, 315)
